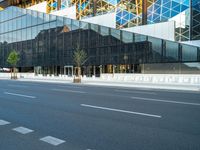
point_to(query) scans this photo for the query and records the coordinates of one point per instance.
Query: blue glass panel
(183, 7)
(167, 5)
(174, 4)
(164, 10)
(173, 13)
(166, 14)
(177, 8)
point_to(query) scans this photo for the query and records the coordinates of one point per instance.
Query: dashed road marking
(165, 101)
(52, 140)
(22, 130)
(71, 91)
(122, 111)
(137, 92)
(21, 95)
(18, 86)
(3, 122)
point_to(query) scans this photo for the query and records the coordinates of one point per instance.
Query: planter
(77, 80)
(14, 77)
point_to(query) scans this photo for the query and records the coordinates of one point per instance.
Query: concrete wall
(153, 78)
(104, 20)
(167, 79)
(41, 7)
(164, 30)
(67, 12)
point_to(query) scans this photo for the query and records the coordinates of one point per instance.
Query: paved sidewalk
(110, 83)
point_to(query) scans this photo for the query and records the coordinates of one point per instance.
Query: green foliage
(13, 58)
(79, 56)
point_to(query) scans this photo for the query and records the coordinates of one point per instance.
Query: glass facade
(195, 20)
(131, 13)
(49, 41)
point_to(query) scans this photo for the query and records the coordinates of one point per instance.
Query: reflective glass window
(140, 38)
(14, 35)
(59, 21)
(156, 49)
(28, 18)
(23, 34)
(19, 35)
(75, 24)
(46, 26)
(115, 33)
(104, 30)
(127, 37)
(189, 53)
(53, 24)
(10, 10)
(84, 25)
(171, 51)
(28, 32)
(34, 18)
(19, 23)
(94, 27)
(68, 23)
(40, 18)
(46, 17)
(52, 17)
(34, 32)
(23, 21)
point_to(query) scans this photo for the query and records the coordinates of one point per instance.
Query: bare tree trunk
(11, 70)
(14, 73)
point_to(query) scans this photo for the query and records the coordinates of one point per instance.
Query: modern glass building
(128, 13)
(46, 43)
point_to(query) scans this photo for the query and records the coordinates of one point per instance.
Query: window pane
(189, 53)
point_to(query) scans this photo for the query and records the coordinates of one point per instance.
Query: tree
(79, 58)
(13, 59)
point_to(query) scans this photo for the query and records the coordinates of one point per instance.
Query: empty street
(54, 116)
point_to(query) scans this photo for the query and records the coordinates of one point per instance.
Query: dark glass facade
(195, 21)
(48, 41)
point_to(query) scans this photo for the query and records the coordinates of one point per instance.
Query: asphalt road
(46, 116)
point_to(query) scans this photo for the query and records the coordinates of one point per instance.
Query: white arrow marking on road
(166, 101)
(123, 111)
(21, 95)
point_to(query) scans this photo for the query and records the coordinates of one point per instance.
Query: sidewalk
(110, 83)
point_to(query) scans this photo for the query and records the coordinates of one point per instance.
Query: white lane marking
(12, 85)
(166, 101)
(123, 111)
(3, 122)
(22, 130)
(73, 87)
(139, 92)
(52, 140)
(72, 91)
(21, 95)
